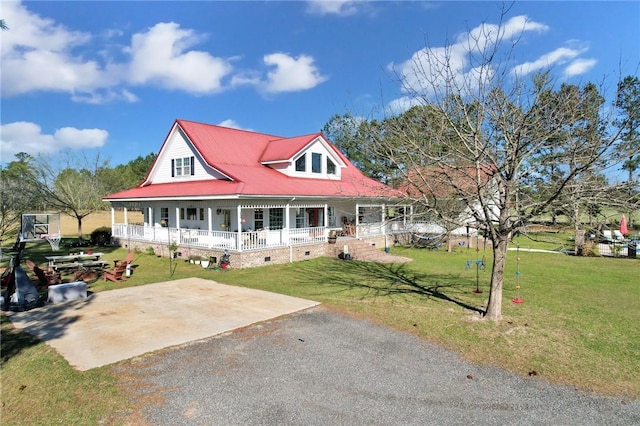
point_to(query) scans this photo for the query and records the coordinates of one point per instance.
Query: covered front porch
(244, 226)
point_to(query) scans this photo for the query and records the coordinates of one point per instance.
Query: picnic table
(76, 261)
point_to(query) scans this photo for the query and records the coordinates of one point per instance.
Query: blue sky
(111, 77)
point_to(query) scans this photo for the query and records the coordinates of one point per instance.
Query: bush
(590, 249)
(101, 236)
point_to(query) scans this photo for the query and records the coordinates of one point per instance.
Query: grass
(577, 325)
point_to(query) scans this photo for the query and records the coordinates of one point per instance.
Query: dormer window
(331, 167)
(301, 164)
(182, 167)
(316, 162)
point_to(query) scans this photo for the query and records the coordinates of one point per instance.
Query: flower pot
(332, 240)
(205, 263)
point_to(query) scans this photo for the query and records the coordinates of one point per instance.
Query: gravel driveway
(318, 367)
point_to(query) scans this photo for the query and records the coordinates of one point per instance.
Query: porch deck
(244, 240)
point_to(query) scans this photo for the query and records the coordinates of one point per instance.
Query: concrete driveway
(111, 326)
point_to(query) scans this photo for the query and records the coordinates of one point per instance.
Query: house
(261, 197)
(449, 200)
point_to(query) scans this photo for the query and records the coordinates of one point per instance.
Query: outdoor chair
(126, 261)
(46, 278)
(117, 274)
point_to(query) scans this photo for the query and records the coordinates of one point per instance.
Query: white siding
(178, 147)
(319, 148)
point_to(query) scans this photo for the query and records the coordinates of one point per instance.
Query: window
(182, 167)
(332, 216)
(301, 218)
(316, 162)
(301, 164)
(201, 213)
(258, 218)
(331, 167)
(164, 216)
(276, 218)
(192, 213)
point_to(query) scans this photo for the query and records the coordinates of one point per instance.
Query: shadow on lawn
(387, 280)
(40, 324)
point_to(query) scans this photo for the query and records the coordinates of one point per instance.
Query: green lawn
(578, 324)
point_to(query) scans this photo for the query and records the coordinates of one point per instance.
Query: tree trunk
(79, 227)
(494, 305)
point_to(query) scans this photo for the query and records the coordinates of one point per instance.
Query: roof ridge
(235, 129)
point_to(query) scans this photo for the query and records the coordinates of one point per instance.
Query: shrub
(590, 249)
(101, 236)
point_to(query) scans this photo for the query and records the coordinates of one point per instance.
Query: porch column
(177, 217)
(404, 217)
(326, 220)
(150, 215)
(357, 218)
(210, 225)
(126, 221)
(113, 217)
(285, 228)
(239, 222)
(384, 225)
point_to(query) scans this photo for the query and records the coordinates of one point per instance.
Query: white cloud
(333, 7)
(23, 136)
(459, 67)
(289, 74)
(579, 67)
(402, 104)
(38, 54)
(160, 57)
(486, 35)
(557, 56)
(232, 124)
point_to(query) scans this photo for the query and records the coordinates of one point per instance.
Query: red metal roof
(239, 154)
(284, 149)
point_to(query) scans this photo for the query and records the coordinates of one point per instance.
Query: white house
(264, 198)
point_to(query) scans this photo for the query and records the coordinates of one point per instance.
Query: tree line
(70, 184)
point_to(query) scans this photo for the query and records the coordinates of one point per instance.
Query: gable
(179, 160)
(310, 156)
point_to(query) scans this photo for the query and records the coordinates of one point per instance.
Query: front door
(315, 217)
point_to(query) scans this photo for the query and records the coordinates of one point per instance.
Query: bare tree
(491, 133)
(72, 187)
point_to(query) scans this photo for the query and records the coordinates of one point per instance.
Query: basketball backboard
(39, 226)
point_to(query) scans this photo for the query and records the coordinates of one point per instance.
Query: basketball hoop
(37, 227)
(54, 241)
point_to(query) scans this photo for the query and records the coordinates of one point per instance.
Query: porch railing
(250, 240)
(299, 236)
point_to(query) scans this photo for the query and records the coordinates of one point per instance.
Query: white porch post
(357, 218)
(177, 217)
(326, 220)
(113, 217)
(285, 228)
(384, 226)
(210, 225)
(150, 215)
(239, 222)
